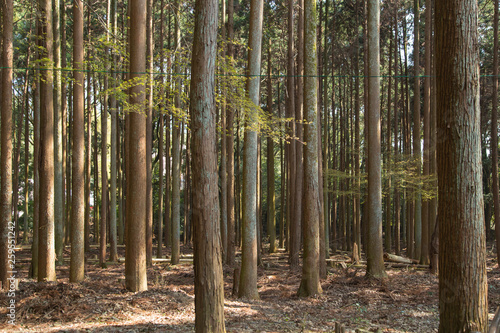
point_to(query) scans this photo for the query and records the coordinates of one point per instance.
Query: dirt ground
(406, 302)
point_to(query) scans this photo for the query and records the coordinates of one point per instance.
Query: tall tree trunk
(426, 218)
(113, 239)
(396, 202)
(7, 229)
(374, 250)
(223, 150)
(209, 287)
(494, 131)
(271, 210)
(416, 131)
(292, 246)
(58, 138)
(149, 134)
(46, 249)
(298, 176)
(161, 125)
(388, 145)
(176, 149)
(231, 217)
(78, 158)
(463, 286)
(248, 276)
(310, 284)
(135, 257)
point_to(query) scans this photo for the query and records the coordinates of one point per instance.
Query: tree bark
(494, 131)
(7, 228)
(310, 283)
(271, 200)
(248, 276)
(46, 249)
(135, 261)
(374, 250)
(462, 250)
(78, 158)
(209, 287)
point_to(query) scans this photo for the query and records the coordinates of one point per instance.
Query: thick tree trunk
(135, 263)
(248, 276)
(209, 287)
(462, 250)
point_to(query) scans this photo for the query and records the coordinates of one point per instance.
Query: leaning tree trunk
(462, 248)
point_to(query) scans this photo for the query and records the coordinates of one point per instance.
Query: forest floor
(405, 302)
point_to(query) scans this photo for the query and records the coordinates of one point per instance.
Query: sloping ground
(405, 302)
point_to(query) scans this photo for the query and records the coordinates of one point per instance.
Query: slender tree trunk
(161, 125)
(397, 209)
(296, 228)
(78, 158)
(463, 288)
(310, 284)
(271, 210)
(113, 251)
(149, 134)
(292, 245)
(426, 218)
(416, 131)
(7, 228)
(58, 143)
(135, 257)
(494, 131)
(231, 218)
(46, 249)
(176, 149)
(209, 287)
(374, 250)
(223, 150)
(248, 277)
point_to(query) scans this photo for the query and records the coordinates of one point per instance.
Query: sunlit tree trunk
(7, 228)
(78, 155)
(176, 149)
(248, 276)
(135, 257)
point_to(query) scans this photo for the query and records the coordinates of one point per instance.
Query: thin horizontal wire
(222, 74)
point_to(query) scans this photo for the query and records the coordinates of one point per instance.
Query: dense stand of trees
(347, 155)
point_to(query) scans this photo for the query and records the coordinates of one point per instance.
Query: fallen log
(399, 259)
